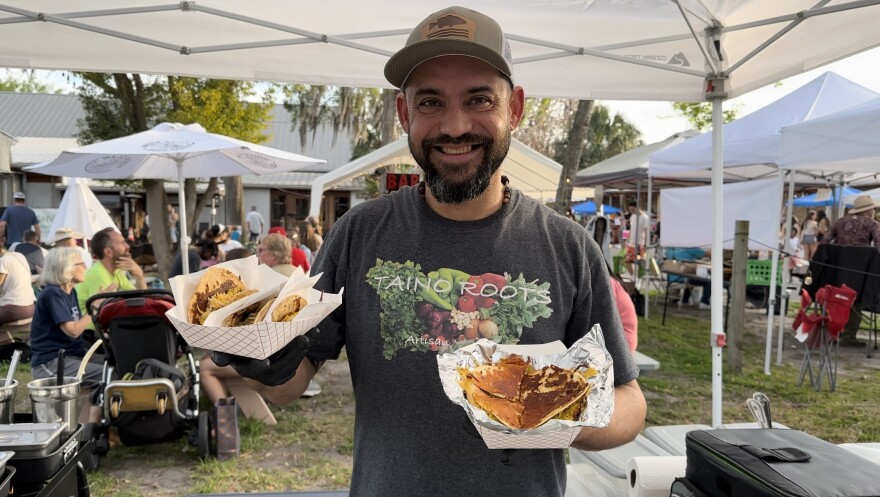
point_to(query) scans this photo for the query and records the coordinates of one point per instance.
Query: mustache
(469, 138)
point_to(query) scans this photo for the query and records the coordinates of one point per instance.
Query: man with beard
(459, 106)
(109, 272)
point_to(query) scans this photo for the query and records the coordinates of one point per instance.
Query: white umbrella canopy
(172, 150)
(81, 211)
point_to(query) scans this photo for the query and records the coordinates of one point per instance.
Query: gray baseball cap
(451, 31)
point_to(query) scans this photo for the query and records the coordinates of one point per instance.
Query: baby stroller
(143, 392)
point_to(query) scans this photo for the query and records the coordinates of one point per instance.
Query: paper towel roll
(652, 476)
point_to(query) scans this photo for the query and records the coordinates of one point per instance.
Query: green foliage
(356, 110)
(118, 105)
(24, 81)
(220, 106)
(607, 136)
(699, 114)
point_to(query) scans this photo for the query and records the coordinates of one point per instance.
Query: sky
(657, 120)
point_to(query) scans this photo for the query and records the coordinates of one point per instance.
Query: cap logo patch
(450, 26)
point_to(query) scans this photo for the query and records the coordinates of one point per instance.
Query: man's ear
(517, 106)
(402, 111)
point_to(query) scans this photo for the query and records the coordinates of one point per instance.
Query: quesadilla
(519, 396)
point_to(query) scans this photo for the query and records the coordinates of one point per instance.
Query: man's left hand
(128, 264)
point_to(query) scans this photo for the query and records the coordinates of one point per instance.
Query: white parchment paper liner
(258, 340)
(588, 351)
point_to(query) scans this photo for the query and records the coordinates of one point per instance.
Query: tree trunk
(234, 200)
(573, 151)
(196, 203)
(159, 227)
(389, 117)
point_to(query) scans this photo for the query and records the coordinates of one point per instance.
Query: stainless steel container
(7, 402)
(52, 403)
(28, 440)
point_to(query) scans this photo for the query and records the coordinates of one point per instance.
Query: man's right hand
(276, 369)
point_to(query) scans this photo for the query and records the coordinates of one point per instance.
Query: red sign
(394, 181)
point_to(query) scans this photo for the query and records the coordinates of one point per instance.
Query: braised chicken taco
(217, 288)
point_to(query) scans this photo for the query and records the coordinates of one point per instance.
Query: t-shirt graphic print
(424, 311)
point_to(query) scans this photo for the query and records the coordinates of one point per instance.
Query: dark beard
(448, 191)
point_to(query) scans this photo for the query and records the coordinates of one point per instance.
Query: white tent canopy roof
(598, 49)
(846, 141)
(532, 173)
(752, 143)
(629, 166)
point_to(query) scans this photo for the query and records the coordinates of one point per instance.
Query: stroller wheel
(114, 407)
(161, 403)
(204, 440)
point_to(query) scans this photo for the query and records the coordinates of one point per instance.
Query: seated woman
(58, 325)
(16, 290)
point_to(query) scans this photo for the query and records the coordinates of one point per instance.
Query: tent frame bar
(708, 58)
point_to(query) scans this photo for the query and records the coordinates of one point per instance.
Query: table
(693, 277)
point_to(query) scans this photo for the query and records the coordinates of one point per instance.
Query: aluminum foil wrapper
(588, 351)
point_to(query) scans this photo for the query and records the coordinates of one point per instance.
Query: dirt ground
(135, 472)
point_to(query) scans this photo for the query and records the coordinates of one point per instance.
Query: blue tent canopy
(810, 200)
(589, 207)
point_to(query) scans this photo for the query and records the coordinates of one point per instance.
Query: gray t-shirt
(409, 439)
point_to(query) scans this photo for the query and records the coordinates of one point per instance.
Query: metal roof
(33, 150)
(44, 115)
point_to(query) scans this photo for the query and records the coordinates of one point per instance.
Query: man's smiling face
(459, 113)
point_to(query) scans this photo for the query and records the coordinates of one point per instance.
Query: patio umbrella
(172, 150)
(589, 207)
(81, 211)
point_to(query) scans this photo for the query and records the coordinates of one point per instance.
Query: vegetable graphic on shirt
(424, 311)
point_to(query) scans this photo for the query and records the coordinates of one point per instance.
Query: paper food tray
(589, 350)
(258, 340)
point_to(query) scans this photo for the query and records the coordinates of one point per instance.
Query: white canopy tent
(752, 143)
(529, 171)
(846, 142)
(629, 167)
(690, 50)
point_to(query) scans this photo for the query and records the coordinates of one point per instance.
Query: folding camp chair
(818, 326)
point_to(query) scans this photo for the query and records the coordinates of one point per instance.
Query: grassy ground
(311, 446)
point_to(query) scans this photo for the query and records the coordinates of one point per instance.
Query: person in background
(203, 250)
(308, 240)
(66, 237)
(16, 289)
(238, 253)
(235, 233)
(223, 239)
(17, 219)
(59, 324)
(273, 251)
(639, 236)
(297, 256)
(173, 218)
(823, 225)
(208, 253)
(277, 229)
(809, 231)
(254, 223)
(316, 226)
(458, 106)
(627, 310)
(111, 270)
(31, 250)
(858, 227)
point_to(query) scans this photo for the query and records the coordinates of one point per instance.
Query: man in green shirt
(108, 273)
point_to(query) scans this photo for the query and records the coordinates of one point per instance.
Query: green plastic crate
(758, 272)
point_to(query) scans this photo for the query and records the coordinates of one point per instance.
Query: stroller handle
(147, 292)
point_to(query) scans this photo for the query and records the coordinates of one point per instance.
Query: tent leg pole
(184, 233)
(717, 337)
(647, 244)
